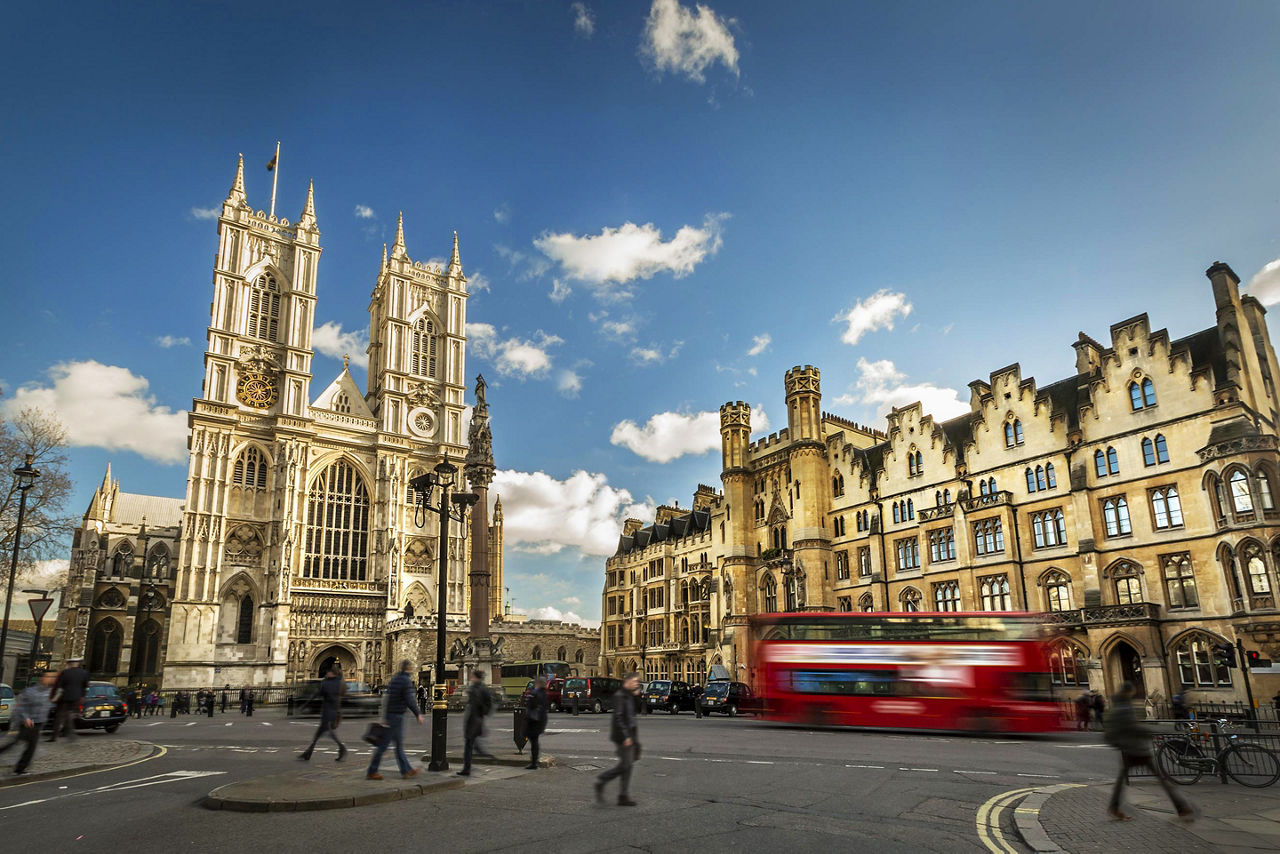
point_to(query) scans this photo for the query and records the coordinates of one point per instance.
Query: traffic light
(1224, 655)
(1256, 660)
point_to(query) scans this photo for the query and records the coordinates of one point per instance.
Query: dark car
(668, 695)
(593, 693)
(356, 702)
(555, 691)
(730, 698)
(101, 708)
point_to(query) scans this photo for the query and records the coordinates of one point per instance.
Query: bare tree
(45, 526)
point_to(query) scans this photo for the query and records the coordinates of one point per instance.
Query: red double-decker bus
(981, 672)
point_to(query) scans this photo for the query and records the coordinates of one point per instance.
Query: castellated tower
(810, 539)
(735, 533)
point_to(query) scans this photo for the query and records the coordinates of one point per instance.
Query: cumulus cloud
(569, 383)
(619, 328)
(477, 282)
(880, 384)
(667, 436)
(687, 42)
(546, 515)
(105, 406)
(559, 291)
(654, 354)
(523, 265)
(878, 311)
(502, 214)
(550, 612)
(1265, 285)
(365, 212)
(329, 339)
(760, 344)
(167, 341)
(616, 256)
(514, 356)
(205, 213)
(584, 20)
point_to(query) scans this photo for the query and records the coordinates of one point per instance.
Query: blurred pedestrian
(623, 733)
(208, 703)
(1099, 707)
(244, 695)
(68, 690)
(479, 704)
(422, 696)
(330, 694)
(30, 712)
(399, 699)
(248, 704)
(1178, 708)
(1127, 734)
(224, 698)
(536, 718)
(1084, 710)
(696, 691)
(1275, 701)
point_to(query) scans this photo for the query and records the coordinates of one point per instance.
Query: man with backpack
(479, 705)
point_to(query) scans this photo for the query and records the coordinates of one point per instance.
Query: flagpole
(275, 176)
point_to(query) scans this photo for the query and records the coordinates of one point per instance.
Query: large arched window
(122, 560)
(1142, 395)
(910, 599)
(995, 593)
(579, 656)
(422, 351)
(158, 562)
(1197, 667)
(946, 596)
(1255, 569)
(1128, 583)
(537, 653)
(146, 650)
(1166, 507)
(1057, 591)
(264, 308)
(1013, 433)
(1238, 488)
(104, 647)
(250, 469)
(562, 654)
(244, 620)
(770, 589)
(337, 525)
(1180, 581)
(1067, 664)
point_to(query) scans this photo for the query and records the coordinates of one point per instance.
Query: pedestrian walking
(248, 704)
(1084, 710)
(1179, 709)
(1125, 733)
(696, 691)
(623, 733)
(536, 718)
(224, 699)
(30, 712)
(330, 694)
(479, 704)
(399, 699)
(1099, 707)
(244, 695)
(68, 690)
(208, 703)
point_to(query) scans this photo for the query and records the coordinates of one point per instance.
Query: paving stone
(65, 757)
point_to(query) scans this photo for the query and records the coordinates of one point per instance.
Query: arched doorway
(1125, 665)
(339, 656)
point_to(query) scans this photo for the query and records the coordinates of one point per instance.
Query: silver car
(6, 706)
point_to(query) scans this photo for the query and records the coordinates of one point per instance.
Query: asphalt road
(707, 785)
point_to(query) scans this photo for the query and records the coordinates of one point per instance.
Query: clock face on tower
(256, 389)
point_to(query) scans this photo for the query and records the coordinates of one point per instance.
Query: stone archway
(1124, 664)
(334, 655)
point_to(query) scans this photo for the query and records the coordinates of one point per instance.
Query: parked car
(358, 701)
(555, 692)
(668, 695)
(6, 706)
(101, 708)
(593, 693)
(729, 698)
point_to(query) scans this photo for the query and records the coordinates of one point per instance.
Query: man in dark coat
(29, 715)
(69, 688)
(536, 718)
(330, 696)
(623, 733)
(1124, 732)
(399, 700)
(479, 704)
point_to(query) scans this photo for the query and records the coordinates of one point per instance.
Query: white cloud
(617, 256)
(1265, 285)
(878, 311)
(365, 212)
(761, 344)
(514, 356)
(584, 20)
(568, 600)
(546, 515)
(619, 328)
(329, 339)
(502, 214)
(167, 341)
(523, 265)
(477, 282)
(882, 385)
(559, 291)
(205, 213)
(670, 435)
(569, 383)
(550, 612)
(105, 406)
(687, 42)
(654, 354)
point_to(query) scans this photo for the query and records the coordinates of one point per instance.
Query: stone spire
(497, 510)
(455, 260)
(397, 248)
(236, 196)
(308, 217)
(384, 256)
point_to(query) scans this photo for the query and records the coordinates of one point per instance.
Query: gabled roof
(129, 508)
(344, 383)
(675, 528)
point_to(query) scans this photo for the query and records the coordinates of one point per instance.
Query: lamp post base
(439, 733)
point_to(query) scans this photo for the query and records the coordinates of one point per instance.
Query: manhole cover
(587, 767)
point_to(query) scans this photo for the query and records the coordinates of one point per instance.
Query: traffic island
(506, 758)
(70, 757)
(327, 789)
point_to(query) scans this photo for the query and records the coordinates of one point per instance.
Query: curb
(507, 761)
(23, 779)
(1026, 818)
(229, 802)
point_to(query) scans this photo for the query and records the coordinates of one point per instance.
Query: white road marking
(193, 723)
(155, 780)
(264, 723)
(1045, 776)
(957, 771)
(756, 762)
(226, 724)
(881, 767)
(157, 723)
(918, 769)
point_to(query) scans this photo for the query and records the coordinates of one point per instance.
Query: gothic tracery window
(337, 525)
(104, 647)
(422, 350)
(250, 469)
(264, 308)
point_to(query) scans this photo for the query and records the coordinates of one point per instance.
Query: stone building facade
(1134, 503)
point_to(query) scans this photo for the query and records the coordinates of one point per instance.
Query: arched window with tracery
(910, 599)
(1180, 581)
(1241, 497)
(1068, 665)
(579, 656)
(866, 603)
(769, 588)
(1128, 583)
(158, 562)
(1265, 494)
(264, 308)
(946, 596)
(122, 560)
(1252, 558)
(104, 648)
(995, 593)
(422, 351)
(1197, 666)
(1057, 591)
(146, 650)
(337, 525)
(250, 469)
(244, 620)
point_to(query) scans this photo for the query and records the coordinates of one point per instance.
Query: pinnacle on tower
(237, 187)
(455, 260)
(106, 479)
(397, 248)
(497, 509)
(384, 256)
(309, 209)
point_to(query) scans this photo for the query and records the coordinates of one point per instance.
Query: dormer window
(342, 403)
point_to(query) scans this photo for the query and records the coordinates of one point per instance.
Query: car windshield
(660, 686)
(6, 693)
(107, 691)
(718, 689)
(575, 685)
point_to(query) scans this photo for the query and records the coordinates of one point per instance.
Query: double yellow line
(989, 820)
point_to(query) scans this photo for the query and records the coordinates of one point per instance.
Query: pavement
(1232, 819)
(89, 752)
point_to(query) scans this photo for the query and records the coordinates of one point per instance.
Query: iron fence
(1212, 737)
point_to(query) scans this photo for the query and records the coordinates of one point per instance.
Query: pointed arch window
(122, 560)
(1142, 395)
(1057, 591)
(1031, 480)
(244, 620)
(995, 593)
(910, 600)
(1180, 581)
(104, 647)
(1128, 584)
(1050, 476)
(1265, 496)
(1197, 665)
(1049, 528)
(1115, 516)
(422, 349)
(158, 562)
(264, 308)
(988, 537)
(1067, 664)
(1238, 487)
(537, 653)
(1099, 464)
(770, 589)
(946, 496)
(1255, 569)
(866, 604)
(1166, 507)
(562, 654)
(337, 525)
(946, 596)
(146, 650)
(342, 403)
(250, 469)
(1013, 433)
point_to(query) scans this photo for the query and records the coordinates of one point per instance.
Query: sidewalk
(64, 758)
(1232, 819)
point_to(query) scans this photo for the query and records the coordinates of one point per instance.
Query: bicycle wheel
(1181, 761)
(1251, 765)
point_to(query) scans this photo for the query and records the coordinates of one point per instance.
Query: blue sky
(665, 207)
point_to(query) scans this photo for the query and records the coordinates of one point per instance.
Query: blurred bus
(517, 674)
(981, 672)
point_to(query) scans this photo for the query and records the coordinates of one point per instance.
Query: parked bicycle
(1187, 756)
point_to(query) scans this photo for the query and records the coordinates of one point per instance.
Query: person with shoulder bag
(623, 733)
(330, 695)
(479, 704)
(536, 718)
(399, 699)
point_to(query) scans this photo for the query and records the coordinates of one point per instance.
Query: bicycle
(1184, 761)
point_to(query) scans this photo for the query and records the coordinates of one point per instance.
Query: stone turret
(804, 403)
(735, 433)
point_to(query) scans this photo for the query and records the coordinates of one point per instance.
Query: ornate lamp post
(26, 479)
(39, 607)
(444, 480)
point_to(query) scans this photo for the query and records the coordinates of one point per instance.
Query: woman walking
(1124, 733)
(330, 696)
(536, 718)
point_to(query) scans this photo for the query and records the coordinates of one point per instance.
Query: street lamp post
(39, 607)
(443, 479)
(26, 479)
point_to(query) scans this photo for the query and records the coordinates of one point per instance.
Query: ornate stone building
(1133, 502)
